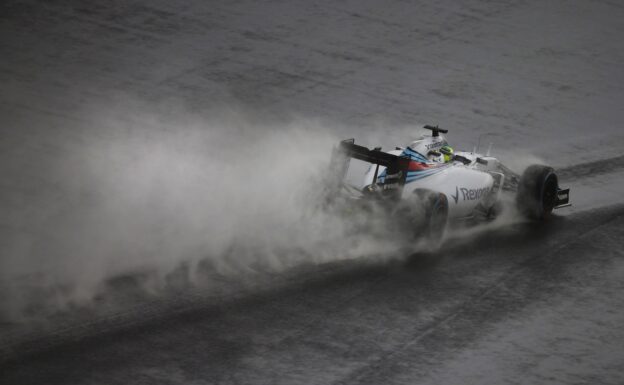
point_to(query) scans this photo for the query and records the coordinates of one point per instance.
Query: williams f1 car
(425, 185)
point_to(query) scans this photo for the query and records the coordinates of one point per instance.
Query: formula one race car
(425, 185)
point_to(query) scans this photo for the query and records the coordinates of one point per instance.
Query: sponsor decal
(474, 193)
(469, 194)
(435, 145)
(391, 186)
(398, 175)
(456, 196)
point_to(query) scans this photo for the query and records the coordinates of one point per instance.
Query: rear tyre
(537, 192)
(430, 216)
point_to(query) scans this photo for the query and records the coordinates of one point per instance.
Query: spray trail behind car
(153, 192)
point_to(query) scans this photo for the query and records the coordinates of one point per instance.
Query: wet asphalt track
(526, 304)
(522, 304)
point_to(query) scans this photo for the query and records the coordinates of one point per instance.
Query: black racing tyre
(537, 192)
(429, 215)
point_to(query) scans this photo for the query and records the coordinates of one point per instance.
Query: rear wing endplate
(395, 172)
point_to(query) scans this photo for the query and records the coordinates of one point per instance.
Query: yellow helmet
(447, 152)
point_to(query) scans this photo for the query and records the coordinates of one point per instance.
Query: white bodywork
(466, 186)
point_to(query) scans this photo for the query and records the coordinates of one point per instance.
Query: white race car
(424, 187)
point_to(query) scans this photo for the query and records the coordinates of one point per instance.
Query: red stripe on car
(417, 166)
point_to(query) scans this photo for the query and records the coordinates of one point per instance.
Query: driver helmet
(447, 153)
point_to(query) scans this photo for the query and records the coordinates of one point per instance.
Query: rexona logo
(470, 194)
(436, 144)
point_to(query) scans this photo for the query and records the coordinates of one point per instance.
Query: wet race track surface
(539, 304)
(520, 303)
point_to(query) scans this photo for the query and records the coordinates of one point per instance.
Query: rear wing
(395, 169)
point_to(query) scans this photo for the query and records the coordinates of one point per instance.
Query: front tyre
(537, 192)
